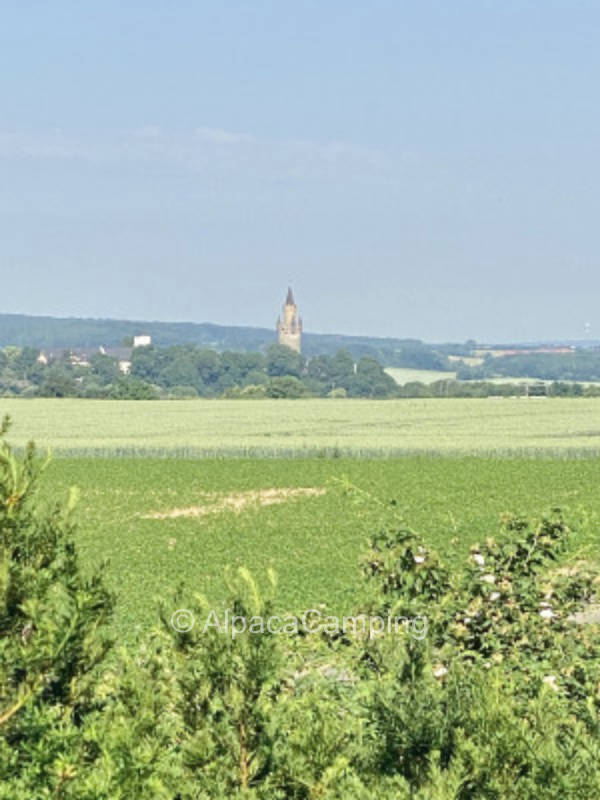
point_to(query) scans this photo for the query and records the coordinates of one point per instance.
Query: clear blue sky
(426, 169)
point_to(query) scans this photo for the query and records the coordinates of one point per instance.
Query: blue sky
(426, 169)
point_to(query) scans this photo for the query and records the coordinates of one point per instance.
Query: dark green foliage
(283, 360)
(187, 371)
(228, 688)
(51, 639)
(370, 381)
(286, 386)
(104, 369)
(130, 388)
(504, 680)
(476, 388)
(452, 388)
(579, 365)
(561, 389)
(58, 382)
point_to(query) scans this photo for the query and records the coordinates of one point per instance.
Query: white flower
(419, 559)
(545, 605)
(550, 680)
(547, 613)
(479, 559)
(440, 671)
(488, 578)
(467, 620)
(494, 595)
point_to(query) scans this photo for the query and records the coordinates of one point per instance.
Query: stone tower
(289, 329)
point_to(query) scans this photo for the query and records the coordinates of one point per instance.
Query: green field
(168, 528)
(312, 542)
(190, 428)
(404, 375)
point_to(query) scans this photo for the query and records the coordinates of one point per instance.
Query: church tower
(289, 329)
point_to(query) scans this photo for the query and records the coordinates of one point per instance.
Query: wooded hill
(51, 333)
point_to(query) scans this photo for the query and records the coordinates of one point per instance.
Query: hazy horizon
(583, 341)
(414, 171)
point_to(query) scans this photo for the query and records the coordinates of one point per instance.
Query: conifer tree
(51, 634)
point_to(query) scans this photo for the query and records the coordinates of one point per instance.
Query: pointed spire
(289, 300)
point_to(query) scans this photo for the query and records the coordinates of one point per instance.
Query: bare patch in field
(217, 504)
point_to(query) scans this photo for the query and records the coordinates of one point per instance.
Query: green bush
(52, 622)
(286, 386)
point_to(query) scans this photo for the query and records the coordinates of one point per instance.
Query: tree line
(579, 365)
(471, 388)
(188, 371)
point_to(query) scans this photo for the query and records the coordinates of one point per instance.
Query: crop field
(172, 517)
(303, 428)
(165, 521)
(406, 375)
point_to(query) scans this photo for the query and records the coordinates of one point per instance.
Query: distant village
(81, 358)
(138, 369)
(288, 329)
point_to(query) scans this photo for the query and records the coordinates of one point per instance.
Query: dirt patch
(217, 504)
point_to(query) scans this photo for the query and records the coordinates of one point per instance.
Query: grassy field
(312, 541)
(402, 376)
(405, 375)
(190, 428)
(136, 511)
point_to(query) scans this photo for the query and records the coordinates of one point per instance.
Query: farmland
(312, 539)
(406, 375)
(312, 542)
(301, 428)
(169, 526)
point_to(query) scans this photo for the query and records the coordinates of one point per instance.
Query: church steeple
(289, 327)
